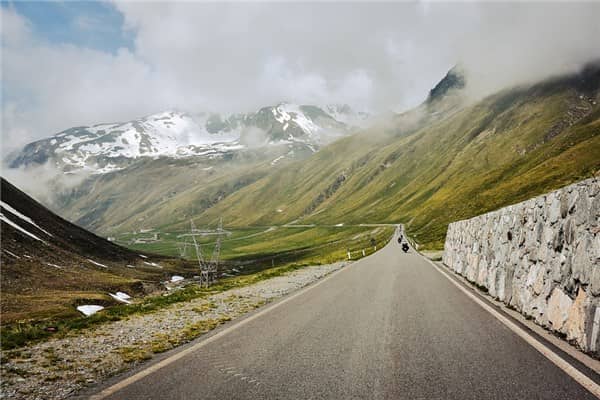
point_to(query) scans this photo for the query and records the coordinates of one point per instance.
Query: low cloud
(198, 56)
(44, 182)
(254, 137)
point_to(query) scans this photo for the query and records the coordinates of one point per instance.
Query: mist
(238, 57)
(44, 182)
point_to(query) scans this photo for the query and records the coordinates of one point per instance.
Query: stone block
(569, 231)
(582, 259)
(594, 212)
(575, 324)
(564, 205)
(582, 206)
(554, 212)
(559, 306)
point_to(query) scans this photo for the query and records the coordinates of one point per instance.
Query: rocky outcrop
(540, 257)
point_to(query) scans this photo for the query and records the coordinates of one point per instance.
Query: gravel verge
(59, 368)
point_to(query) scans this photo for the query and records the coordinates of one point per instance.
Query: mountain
(49, 265)
(454, 81)
(469, 159)
(105, 148)
(446, 160)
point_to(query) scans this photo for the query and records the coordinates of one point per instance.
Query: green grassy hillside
(508, 147)
(438, 163)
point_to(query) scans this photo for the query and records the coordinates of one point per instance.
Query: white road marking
(574, 373)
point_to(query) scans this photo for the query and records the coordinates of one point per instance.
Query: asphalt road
(387, 327)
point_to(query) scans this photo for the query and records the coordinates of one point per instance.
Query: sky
(66, 64)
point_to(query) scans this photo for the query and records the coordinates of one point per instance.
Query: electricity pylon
(208, 269)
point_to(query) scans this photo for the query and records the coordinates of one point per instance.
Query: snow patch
(8, 221)
(23, 217)
(275, 161)
(152, 264)
(88, 310)
(11, 253)
(97, 263)
(177, 278)
(121, 296)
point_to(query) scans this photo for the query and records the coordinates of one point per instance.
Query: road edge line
(169, 360)
(557, 360)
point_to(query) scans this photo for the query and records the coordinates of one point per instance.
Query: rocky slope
(49, 265)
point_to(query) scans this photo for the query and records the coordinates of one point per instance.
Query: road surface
(387, 327)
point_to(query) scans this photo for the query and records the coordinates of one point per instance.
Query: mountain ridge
(109, 147)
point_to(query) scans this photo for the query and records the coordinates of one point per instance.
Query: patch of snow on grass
(152, 264)
(54, 265)
(177, 278)
(11, 253)
(8, 221)
(88, 310)
(23, 217)
(121, 296)
(97, 263)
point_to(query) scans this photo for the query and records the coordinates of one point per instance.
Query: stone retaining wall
(540, 257)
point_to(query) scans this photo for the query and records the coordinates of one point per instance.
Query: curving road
(387, 327)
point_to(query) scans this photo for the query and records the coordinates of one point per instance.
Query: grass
(23, 333)
(483, 157)
(280, 243)
(132, 354)
(170, 243)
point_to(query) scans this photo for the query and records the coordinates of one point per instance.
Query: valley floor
(59, 368)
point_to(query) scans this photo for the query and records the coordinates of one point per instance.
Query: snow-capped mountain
(108, 147)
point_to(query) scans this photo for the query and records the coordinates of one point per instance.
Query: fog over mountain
(236, 57)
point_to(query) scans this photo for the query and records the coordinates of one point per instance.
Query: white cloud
(240, 56)
(51, 87)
